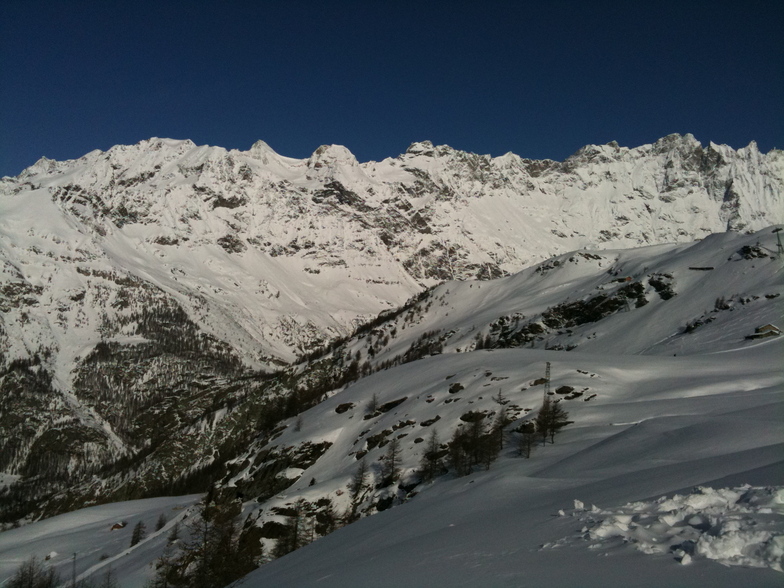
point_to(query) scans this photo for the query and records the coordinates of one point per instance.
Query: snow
(741, 526)
(88, 534)
(659, 425)
(663, 411)
(497, 211)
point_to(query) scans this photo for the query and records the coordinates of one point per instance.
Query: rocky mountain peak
(263, 152)
(677, 142)
(252, 236)
(421, 148)
(331, 156)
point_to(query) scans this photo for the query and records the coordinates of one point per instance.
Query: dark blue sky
(540, 79)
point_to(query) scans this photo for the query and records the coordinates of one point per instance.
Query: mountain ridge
(163, 282)
(376, 233)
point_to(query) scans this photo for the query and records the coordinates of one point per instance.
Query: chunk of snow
(740, 526)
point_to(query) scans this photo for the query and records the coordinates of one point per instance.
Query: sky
(540, 79)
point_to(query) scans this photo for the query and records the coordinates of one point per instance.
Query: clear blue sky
(540, 79)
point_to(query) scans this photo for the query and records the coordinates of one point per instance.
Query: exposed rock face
(136, 283)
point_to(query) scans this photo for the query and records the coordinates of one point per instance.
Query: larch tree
(431, 464)
(390, 468)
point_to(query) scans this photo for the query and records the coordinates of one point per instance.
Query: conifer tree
(174, 534)
(327, 518)
(459, 458)
(372, 405)
(298, 531)
(109, 579)
(490, 444)
(212, 558)
(550, 420)
(558, 420)
(139, 532)
(166, 570)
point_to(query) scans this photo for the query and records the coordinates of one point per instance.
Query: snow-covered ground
(659, 426)
(740, 526)
(694, 417)
(87, 534)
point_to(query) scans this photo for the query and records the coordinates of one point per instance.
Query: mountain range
(176, 316)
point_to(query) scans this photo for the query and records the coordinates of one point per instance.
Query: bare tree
(357, 483)
(431, 464)
(33, 574)
(390, 468)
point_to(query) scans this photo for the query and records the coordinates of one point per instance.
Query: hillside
(664, 390)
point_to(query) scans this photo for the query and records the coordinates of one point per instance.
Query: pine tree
(212, 558)
(558, 420)
(497, 430)
(166, 569)
(459, 458)
(550, 420)
(161, 522)
(139, 532)
(475, 442)
(543, 420)
(372, 405)
(490, 444)
(298, 531)
(500, 399)
(196, 553)
(108, 580)
(174, 534)
(327, 519)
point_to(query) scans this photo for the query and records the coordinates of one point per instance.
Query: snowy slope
(724, 286)
(658, 408)
(713, 421)
(88, 534)
(645, 424)
(642, 436)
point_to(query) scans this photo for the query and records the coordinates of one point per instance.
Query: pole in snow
(779, 246)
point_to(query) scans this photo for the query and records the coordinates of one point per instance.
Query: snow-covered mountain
(665, 320)
(142, 289)
(274, 255)
(670, 383)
